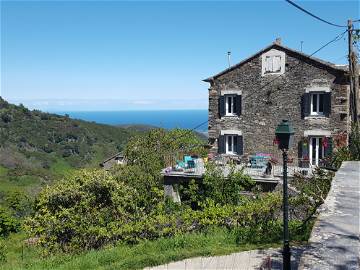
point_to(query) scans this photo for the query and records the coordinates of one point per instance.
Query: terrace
(256, 166)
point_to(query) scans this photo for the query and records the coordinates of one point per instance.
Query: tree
(160, 148)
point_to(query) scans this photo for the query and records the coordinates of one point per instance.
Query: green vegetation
(123, 256)
(119, 219)
(37, 149)
(350, 152)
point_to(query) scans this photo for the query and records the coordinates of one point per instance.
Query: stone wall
(265, 102)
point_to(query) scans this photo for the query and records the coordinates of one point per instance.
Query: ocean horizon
(167, 119)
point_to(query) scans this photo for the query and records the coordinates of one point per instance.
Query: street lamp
(284, 136)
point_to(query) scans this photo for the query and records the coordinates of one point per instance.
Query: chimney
(277, 41)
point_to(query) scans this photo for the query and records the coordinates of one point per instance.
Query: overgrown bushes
(93, 208)
(83, 211)
(350, 152)
(8, 223)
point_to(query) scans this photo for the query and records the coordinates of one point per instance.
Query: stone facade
(267, 99)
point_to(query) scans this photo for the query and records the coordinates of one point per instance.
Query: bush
(2, 251)
(350, 152)
(83, 212)
(8, 223)
(313, 192)
(146, 184)
(225, 189)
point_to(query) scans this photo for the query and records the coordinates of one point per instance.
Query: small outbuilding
(117, 159)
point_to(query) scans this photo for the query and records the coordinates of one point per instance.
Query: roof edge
(274, 45)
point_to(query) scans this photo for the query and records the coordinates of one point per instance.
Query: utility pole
(353, 76)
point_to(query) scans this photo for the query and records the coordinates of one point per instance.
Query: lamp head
(284, 134)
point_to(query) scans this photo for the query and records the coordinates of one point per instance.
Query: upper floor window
(317, 104)
(273, 62)
(230, 105)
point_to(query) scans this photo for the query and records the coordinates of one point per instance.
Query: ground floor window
(319, 150)
(231, 144)
(316, 150)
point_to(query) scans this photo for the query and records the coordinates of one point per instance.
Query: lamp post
(284, 136)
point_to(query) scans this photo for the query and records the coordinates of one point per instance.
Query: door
(316, 150)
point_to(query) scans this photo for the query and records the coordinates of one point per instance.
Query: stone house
(248, 100)
(117, 159)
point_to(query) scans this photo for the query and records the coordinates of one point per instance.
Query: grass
(146, 253)
(61, 167)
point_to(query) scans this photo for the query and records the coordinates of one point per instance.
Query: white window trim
(272, 53)
(317, 133)
(317, 158)
(233, 113)
(231, 92)
(318, 89)
(231, 132)
(317, 112)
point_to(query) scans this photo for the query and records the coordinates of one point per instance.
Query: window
(230, 104)
(316, 150)
(231, 144)
(317, 104)
(273, 64)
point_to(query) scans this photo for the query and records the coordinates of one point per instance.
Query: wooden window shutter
(305, 105)
(238, 105)
(327, 104)
(222, 106)
(240, 145)
(221, 144)
(329, 148)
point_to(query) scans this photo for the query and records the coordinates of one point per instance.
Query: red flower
(276, 141)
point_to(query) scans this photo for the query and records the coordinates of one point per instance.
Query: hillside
(37, 148)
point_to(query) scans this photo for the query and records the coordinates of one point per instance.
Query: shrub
(313, 192)
(146, 184)
(225, 189)
(350, 152)
(2, 251)
(83, 212)
(8, 223)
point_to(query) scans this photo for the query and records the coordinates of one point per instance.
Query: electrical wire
(312, 15)
(337, 38)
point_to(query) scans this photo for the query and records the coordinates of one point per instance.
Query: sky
(132, 55)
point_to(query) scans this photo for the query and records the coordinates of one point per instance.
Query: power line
(312, 15)
(337, 38)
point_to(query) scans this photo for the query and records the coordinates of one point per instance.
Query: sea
(168, 119)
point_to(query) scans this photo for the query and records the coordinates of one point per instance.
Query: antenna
(301, 43)
(229, 55)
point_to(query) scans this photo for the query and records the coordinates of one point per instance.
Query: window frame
(234, 143)
(317, 112)
(270, 59)
(232, 105)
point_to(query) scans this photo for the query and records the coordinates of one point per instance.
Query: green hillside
(37, 148)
